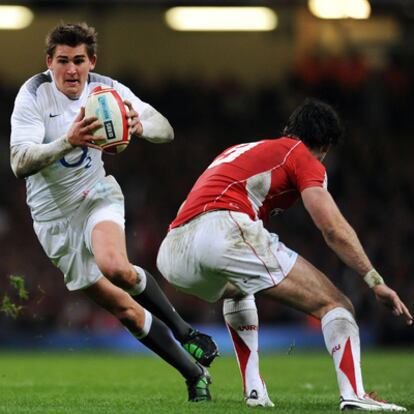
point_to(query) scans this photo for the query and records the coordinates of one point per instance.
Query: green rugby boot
(198, 387)
(201, 347)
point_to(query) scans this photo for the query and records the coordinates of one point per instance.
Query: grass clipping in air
(10, 307)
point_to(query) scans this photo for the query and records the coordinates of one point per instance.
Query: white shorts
(220, 246)
(68, 242)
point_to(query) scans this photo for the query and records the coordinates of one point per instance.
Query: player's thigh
(104, 224)
(307, 289)
(109, 247)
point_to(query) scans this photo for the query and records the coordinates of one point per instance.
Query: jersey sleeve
(305, 170)
(27, 126)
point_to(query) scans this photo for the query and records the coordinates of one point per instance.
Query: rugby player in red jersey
(217, 247)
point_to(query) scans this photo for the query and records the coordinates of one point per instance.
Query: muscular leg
(109, 248)
(309, 290)
(145, 327)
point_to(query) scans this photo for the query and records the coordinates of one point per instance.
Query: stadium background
(218, 89)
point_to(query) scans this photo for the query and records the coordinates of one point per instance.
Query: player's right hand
(80, 133)
(390, 298)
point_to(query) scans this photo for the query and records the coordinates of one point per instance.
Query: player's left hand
(390, 298)
(135, 126)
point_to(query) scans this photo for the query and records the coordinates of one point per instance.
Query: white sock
(341, 335)
(141, 283)
(243, 324)
(146, 328)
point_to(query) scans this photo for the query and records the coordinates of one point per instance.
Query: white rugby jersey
(41, 115)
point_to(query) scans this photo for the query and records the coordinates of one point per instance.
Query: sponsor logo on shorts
(247, 328)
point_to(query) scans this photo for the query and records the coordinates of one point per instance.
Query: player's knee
(331, 300)
(119, 272)
(341, 301)
(347, 304)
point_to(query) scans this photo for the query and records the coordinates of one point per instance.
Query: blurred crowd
(370, 176)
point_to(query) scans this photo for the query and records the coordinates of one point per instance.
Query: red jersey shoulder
(304, 169)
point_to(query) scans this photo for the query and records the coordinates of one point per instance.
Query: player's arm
(343, 240)
(27, 157)
(337, 232)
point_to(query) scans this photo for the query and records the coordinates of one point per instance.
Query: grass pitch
(101, 383)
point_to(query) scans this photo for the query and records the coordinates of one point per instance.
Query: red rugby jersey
(256, 178)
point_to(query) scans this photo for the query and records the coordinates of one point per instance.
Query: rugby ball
(106, 104)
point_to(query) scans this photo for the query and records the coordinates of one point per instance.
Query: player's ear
(49, 61)
(92, 62)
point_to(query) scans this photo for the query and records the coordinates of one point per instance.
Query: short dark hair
(72, 35)
(315, 123)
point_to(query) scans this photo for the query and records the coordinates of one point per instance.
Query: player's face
(70, 67)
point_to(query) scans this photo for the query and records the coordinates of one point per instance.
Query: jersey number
(84, 157)
(233, 153)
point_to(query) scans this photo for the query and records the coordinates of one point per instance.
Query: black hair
(315, 123)
(72, 35)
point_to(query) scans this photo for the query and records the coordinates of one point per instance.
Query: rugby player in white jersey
(218, 248)
(78, 211)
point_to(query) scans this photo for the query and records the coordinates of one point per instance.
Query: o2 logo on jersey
(232, 153)
(84, 156)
